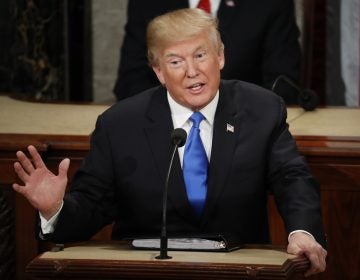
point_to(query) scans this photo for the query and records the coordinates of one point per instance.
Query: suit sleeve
(296, 191)
(90, 203)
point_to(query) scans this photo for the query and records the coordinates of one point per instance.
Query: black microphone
(307, 98)
(178, 139)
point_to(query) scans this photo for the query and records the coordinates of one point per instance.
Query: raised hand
(301, 243)
(43, 189)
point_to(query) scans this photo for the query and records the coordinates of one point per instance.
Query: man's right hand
(43, 189)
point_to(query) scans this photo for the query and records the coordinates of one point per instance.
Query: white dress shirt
(180, 116)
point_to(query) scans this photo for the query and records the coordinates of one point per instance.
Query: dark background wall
(7, 236)
(7, 30)
(45, 49)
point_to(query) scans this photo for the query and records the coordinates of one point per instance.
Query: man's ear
(221, 59)
(159, 74)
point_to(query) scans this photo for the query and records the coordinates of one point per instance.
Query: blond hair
(178, 26)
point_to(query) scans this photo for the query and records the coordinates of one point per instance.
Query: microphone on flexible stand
(178, 139)
(307, 98)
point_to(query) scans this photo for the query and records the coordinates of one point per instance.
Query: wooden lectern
(117, 260)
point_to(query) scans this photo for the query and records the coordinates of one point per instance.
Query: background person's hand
(43, 189)
(301, 243)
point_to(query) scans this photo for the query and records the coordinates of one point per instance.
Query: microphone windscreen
(178, 137)
(308, 99)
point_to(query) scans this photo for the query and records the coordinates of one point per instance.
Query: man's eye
(200, 55)
(175, 63)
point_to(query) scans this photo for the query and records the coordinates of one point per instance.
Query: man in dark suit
(243, 137)
(261, 39)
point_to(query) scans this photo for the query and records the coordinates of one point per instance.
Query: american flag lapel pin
(229, 128)
(230, 3)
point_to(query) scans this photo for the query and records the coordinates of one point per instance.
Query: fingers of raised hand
(24, 176)
(36, 157)
(25, 163)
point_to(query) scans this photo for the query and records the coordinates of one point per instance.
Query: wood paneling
(53, 149)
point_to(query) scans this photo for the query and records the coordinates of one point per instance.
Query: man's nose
(191, 69)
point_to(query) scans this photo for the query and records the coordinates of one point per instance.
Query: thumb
(64, 167)
(294, 249)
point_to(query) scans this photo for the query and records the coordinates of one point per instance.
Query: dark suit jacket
(122, 178)
(260, 37)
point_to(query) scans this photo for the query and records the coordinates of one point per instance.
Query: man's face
(190, 70)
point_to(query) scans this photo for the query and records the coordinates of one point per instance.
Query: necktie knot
(196, 119)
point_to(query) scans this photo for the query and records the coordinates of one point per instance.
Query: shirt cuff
(300, 230)
(48, 226)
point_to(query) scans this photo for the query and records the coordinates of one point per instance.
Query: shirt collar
(180, 114)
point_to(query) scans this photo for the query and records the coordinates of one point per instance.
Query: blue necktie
(195, 166)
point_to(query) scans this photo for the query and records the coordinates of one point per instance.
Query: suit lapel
(226, 126)
(158, 129)
(158, 133)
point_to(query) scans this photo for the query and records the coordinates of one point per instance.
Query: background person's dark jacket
(260, 38)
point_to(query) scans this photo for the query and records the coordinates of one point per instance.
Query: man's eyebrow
(199, 48)
(171, 55)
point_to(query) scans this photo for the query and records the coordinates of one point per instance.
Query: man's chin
(197, 103)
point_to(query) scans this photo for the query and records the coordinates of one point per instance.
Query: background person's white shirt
(214, 5)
